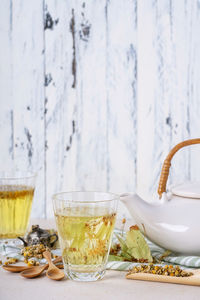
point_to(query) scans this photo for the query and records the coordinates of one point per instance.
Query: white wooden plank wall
(22, 91)
(93, 94)
(168, 90)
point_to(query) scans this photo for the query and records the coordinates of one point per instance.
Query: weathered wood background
(93, 94)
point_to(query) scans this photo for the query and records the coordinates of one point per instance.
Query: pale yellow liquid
(85, 239)
(15, 208)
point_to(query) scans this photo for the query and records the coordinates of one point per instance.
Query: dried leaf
(137, 246)
(133, 247)
(122, 242)
(115, 258)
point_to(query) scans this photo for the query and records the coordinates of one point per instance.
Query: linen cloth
(156, 251)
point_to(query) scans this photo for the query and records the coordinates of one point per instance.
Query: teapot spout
(139, 209)
(133, 202)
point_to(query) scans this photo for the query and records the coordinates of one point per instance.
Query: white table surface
(112, 286)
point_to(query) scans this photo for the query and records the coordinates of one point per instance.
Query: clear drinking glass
(85, 223)
(16, 195)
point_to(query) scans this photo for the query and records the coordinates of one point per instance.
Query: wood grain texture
(23, 93)
(192, 75)
(28, 93)
(6, 101)
(121, 78)
(94, 94)
(83, 160)
(146, 101)
(91, 160)
(165, 57)
(59, 98)
(121, 84)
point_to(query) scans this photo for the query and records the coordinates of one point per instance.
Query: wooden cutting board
(191, 280)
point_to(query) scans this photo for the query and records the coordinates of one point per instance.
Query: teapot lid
(187, 189)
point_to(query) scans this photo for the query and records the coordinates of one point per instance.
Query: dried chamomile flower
(10, 261)
(34, 251)
(167, 270)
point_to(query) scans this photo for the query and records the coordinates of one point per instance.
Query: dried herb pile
(167, 270)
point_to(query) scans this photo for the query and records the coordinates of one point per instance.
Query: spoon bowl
(15, 269)
(53, 272)
(35, 271)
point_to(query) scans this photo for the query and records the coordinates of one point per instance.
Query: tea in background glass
(16, 196)
(85, 223)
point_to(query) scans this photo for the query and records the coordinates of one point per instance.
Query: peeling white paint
(93, 94)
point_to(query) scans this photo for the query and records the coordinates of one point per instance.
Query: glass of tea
(85, 223)
(16, 196)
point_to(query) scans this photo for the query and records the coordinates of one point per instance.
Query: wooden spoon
(18, 269)
(15, 269)
(53, 272)
(32, 272)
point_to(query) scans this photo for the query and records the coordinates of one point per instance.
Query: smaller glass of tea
(85, 223)
(16, 195)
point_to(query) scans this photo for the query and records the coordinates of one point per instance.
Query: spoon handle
(47, 255)
(57, 259)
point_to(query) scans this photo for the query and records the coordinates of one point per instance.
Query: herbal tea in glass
(16, 195)
(85, 229)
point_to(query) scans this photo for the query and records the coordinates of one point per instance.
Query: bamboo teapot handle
(167, 163)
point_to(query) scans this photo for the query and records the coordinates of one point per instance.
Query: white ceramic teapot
(172, 222)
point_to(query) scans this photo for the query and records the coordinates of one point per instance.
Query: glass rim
(18, 176)
(115, 197)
